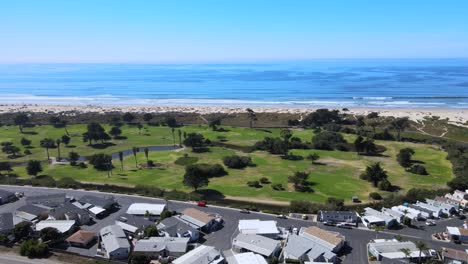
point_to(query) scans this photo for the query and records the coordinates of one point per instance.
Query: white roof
(142, 208)
(82, 206)
(200, 255)
(247, 258)
(258, 227)
(96, 210)
(126, 227)
(61, 225)
(372, 219)
(453, 230)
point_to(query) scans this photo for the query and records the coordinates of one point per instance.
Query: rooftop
(82, 237)
(132, 223)
(62, 226)
(392, 248)
(196, 217)
(455, 254)
(104, 202)
(51, 200)
(200, 255)
(6, 222)
(247, 258)
(32, 209)
(332, 238)
(157, 244)
(255, 226)
(142, 208)
(257, 244)
(113, 237)
(173, 226)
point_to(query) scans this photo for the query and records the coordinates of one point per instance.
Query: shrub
(208, 170)
(237, 162)
(277, 187)
(255, 184)
(291, 156)
(82, 165)
(264, 180)
(418, 169)
(327, 140)
(385, 185)
(33, 249)
(375, 196)
(27, 152)
(100, 161)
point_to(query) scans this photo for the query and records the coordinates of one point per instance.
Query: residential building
(392, 249)
(131, 224)
(48, 200)
(374, 217)
(444, 200)
(31, 212)
(425, 213)
(257, 227)
(436, 210)
(7, 196)
(200, 255)
(246, 258)
(338, 216)
(63, 226)
(114, 242)
(6, 223)
(397, 215)
(146, 209)
(81, 238)
(199, 219)
(173, 227)
(262, 245)
(96, 205)
(303, 249)
(446, 208)
(69, 212)
(452, 256)
(332, 240)
(154, 247)
(457, 234)
(408, 212)
(460, 196)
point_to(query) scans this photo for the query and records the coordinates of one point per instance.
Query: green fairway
(335, 175)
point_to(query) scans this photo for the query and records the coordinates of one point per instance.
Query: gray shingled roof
(139, 222)
(51, 200)
(256, 243)
(113, 238)
(173, 226)
(32, 209)
(158, 244)
(6, 222)
(97, 201)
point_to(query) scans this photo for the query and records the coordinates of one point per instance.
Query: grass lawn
(337, 174)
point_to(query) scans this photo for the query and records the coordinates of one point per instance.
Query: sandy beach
(457, 116)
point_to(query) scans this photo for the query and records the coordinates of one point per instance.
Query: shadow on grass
(211, 194)
(102, 145)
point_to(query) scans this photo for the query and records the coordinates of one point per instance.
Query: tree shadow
(264, 130)
(418, 162)
(201, 150)
(29, 132)
(102, 145)
(70, 146)
(319, 163)
(120, 137)
(211, 194)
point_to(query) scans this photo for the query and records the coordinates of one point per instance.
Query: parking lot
(357, 237)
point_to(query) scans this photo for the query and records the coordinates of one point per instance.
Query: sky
(157, 31)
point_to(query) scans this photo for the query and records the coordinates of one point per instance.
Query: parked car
(430, 223)
(281, 216)
(245, 211)
(329, 223)
(343, 225)
(295, 231)
(201, 204)
(305, 217)
(432, 252)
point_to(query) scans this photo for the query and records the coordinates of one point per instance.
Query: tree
(21, 120)
(374, 124)
(173, 135)
(5, 166)
(151, 231)
(286, 134)
(418, 169)
(33, 249)
(180, 137)
(237, 162)
(94, 131)
(374, 173)
(109, 166)
(377, 229)
(128, 117)
(299, 179)
(147, 117)
(33, 167)
(385, 185)
(321, 117)
(194, 177)
(369, 146)
(400, 124)
(252, 117)
(22, 230)
(171, 121)
(407, 253)
(135, 151)
(375, 196)
(214, 123)
(66, 139)
(73, 157)
(404, 157)
(313, 157)
(140, 126)
(194, 140)
(10, 149)
(121, 159)
(360, 123)
(100, 161)
(358, 143)
(421, 247)
(50, 234)
(47, 143)
(115, 132)
(25, 142)
(146, 154)
(58, 141)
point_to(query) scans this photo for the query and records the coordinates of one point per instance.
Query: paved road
(221, 239)
(16, 259)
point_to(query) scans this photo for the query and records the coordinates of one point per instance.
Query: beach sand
(455, 116)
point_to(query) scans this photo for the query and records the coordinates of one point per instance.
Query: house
(374, 217)
(459, 196)
(131, 224)
(6, 223)
(303, 249)
(246, 258)
(146, 209)
(408, 212)
(63, 226)
(114, 242)
(338, 216)
(397, 215)
(436, 210)
(262, 245)
(457, 234)
(81, 238)
(257, 227)
(69, 212)
(332, 240)
(7, 196)
(48, 200)
(392, 249)
(96, 205)
(154, 247)
(200, 255)
(448, 201)
(425, 213)
(31, 212)
(452, 256)
(199, 220)
(173, 227)
(446, 208)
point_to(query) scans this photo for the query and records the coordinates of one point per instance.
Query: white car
(430, 223)
(295, 231)
(432, 252)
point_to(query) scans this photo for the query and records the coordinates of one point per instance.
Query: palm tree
(400, 124)
(109, 167)
(407, 253)
(58, 141)
(121, 159)
(180, 137)
(135, 150)
(146, 154)
(140, 126)
(422, 247)
(252, 117)
(47, 143)
(377, 229)
(173, 135)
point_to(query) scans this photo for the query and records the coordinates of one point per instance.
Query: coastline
(456, 116)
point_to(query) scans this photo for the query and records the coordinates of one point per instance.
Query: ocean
(320, 83)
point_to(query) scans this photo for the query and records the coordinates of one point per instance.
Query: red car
(201, 204)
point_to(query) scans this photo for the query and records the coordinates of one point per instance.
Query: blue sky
(230, 31)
